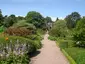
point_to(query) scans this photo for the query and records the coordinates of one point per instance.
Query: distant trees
(9, 21)
(72, 19)
(49, 22)
(57, 19)
(59, 29)
(1, 18)
(20, 18)
(35, 18)
(48, 19)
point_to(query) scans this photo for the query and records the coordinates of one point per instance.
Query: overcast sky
(52, 8)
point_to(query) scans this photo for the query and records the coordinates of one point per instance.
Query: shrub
(18, 31)
(52, 38)
(18, 47)
(59, 29)
(63, 43)
(23, 23)
(41, 31)
(37, 40)
(79, 34)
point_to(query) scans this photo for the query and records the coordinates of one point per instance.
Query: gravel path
(49, 54)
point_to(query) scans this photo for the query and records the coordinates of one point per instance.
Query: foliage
(15, 49)
(48, 19)
(1, 18)
(9, 21)
(13, 59)
(49, 22)
(40, 31)
(20, 18)
(37, 40)
(72, 19)
(79, 34)
(23, 23)
(59, 29)
(1, 29)
(21, 31)
(65, 43)
(52, 38)
(35, 18)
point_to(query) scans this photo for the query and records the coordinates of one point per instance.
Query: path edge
(68, 57)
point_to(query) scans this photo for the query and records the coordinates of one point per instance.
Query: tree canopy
(1, 18)
(9, 21)
(59, 29)
(35, 18)
(72, 19)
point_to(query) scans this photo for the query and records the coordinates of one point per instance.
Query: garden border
(68, 57)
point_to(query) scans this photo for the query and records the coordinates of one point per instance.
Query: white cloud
(62, 18)
(54, 18)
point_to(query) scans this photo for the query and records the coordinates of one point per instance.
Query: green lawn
(78, 54)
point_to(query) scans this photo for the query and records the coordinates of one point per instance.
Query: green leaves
(72, 19)
(79, 34)
(35, 18)
(59, 29)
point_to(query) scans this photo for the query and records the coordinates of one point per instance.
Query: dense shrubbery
(69, 38)
(22, 31)
(59, 29)
(79, 34)
(22, 37)
(19, 47)
(52, 38)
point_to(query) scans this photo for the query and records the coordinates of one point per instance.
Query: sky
(52, 8)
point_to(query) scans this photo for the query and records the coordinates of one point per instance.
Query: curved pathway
(49, 54)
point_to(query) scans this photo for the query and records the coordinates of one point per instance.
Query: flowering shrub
(15, 49)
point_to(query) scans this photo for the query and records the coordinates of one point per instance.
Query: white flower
(77, 42)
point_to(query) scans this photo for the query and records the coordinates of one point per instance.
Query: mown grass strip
(68, 57)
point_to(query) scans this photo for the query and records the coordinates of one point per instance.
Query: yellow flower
(6, 38)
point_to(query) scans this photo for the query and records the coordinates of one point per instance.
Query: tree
(72, 19)
(79, 34)
(9, 21)
(49, 22)
(57, 19)
(35, 18)
(20, 18)
(59, 29)
(13, 17)
(1, 18)
(48, 19)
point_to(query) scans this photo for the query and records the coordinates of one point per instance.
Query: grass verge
(68, 57)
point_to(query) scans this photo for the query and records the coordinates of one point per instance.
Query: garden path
(49, 54)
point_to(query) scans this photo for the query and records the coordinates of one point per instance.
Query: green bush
(52, 38)
(13, 59)
(64, 43)
(59, 29)
(79, 34)
(41, 31)
(37, 40)
(18, 46)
